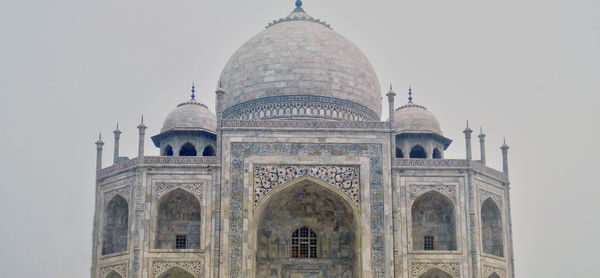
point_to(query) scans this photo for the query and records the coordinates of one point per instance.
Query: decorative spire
(142, 118)
(193, 91)
(298, 6)
(410, 98)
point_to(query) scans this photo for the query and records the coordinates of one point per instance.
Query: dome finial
(298, 8)
(410, 98)
(298, 3)
(193, 91)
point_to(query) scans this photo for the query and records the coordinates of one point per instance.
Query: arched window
(433, 222)
(168, 151)
(436, 153)
(491, 228)
(187, 150)
(115, 226)
(435, 273)
(178, 221)
(208, 151)
(417, 152)
(494, 275)
(304, 243)
(399, 153)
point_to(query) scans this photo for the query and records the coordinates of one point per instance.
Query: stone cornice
(475, 166)
(158, 161)
(308, 124)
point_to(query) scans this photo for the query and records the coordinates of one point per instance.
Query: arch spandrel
(267, 178)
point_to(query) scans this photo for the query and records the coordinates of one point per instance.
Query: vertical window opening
(304, 243)
(428, 243)
(180, 241)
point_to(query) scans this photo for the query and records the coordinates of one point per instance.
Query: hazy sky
(528, 70)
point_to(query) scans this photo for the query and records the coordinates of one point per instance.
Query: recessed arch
(494, 275)
(418, 152)
(176, 272)
(307, 202)
(436, 153)
(491, 228)
(435, 273)
(178, 223)
(188, 149)
(433, 222)
(208, 151)
(399, 153)
(116, 223)
(113, 274)
(168, 151)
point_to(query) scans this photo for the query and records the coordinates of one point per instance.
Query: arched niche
(494, 275)
(188, 150)
(399, 153)
(178, 224)
(435, 273)
(176, 272)
(436, 153)
(491, 228)
(168, 151)
(116, 217)
(316, 208)
(418, 152)
(208, 151)
(433, 222)
(114, 274)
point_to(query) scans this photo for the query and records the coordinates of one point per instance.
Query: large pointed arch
(113, 274)
(433, 222)
(178, 220)
(494, 275)
(306, 202)
(491, 228)
(116, 226)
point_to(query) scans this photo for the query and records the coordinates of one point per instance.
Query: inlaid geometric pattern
(159, 267)
(418, 269)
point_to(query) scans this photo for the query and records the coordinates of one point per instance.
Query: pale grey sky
(528, 70)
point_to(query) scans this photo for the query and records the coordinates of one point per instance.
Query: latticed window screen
(428, 243)
(304, 243)
(180, 242)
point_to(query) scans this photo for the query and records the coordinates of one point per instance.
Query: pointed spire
(142, 118)
(410, 98)
(100, 137)
(193, 91)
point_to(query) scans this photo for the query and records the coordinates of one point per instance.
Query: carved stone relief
(159, 267)
(416, 190)
(121, 269)
(417, 269)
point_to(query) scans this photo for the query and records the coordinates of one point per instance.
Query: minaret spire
(193, 91)
(410, 98)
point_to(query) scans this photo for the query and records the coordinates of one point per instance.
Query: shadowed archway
(305, 229)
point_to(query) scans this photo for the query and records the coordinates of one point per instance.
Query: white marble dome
(414, 118)
(189, 116)
(300, 55)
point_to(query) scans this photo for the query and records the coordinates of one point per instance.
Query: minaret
(117, 133)
(504, 149)
(99, 146)
(467, 133)
(219, 107)
(391, 96)
(142, 132)
(482, 145)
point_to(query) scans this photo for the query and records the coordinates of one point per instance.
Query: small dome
(414, 118)
(301, 56)
(190, 115)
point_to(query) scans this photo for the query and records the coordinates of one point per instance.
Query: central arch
(310, 212)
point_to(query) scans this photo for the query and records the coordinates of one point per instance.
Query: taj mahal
(295, 175)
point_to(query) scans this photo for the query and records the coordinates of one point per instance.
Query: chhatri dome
(299, 61)
(415, 118)
(190, 115)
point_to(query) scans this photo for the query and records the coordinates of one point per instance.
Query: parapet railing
(449, 163)
(161, 160)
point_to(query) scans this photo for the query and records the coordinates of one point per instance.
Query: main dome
(302, 57)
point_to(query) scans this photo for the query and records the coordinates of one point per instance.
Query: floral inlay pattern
(346, 179)
(417, 189)
(484, 195)
(121, 269)
(159, 267)
(124, 192)
(419, 268)
(162, 187)
(489, 270)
